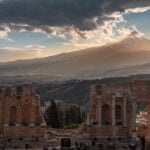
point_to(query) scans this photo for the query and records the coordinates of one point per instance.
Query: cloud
(130, 32)
(14, 53)
(35, 47)
(4, 30)
(138, 10)
(49, 16)
(101, 37)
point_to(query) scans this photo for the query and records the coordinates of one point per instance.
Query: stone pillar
(113, 110)
(113, 114)
(124, 111)
(6, 113)
(133, 118)
(19, 114)
(148, 116)
(1, 117)
(147, 137)
(88, 119)
(99, 97)
(32, 116)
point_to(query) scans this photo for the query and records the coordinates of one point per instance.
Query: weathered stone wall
(124, 95)
(105, 94)
(19, 111)
(24, 131)
(108, 132)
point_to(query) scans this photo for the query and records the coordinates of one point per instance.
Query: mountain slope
(89, 62)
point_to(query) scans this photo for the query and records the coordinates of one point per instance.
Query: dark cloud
(78, 14)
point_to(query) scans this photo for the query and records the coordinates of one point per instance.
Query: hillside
(91, 63)
(76, 91)
(69, 91)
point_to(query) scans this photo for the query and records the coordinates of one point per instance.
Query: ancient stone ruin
(113, 110)
(112, 117)
(20, 114)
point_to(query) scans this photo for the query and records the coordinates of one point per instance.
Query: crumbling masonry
(113, 109)
(20, 114)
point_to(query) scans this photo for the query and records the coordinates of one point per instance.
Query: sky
(41, 28)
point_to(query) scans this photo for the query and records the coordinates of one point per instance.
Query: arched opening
(118, 114)
(25, 114)
(13, 115)
(142, 112)
(142, 143)
(1, 91)
(141, 106)
(19, 90)
(106, 115)
(37, 119)
(8, 91)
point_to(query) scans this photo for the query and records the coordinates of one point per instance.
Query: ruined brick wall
(24, 131)
(138, 90)
(20, 109)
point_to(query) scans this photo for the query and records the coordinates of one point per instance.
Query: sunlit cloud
(15, 53)
(35, 47)
(69, 23)
(137, 10)
(4, 30)
(49, 16)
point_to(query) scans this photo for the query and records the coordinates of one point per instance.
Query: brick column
(19, 115)
(32, 116)
(113, 114)
(113, 110)
(99, 97)
(1, 117)
(148, 117)
(133, 117)
(147, 137)
(124, 111)
(88, 119)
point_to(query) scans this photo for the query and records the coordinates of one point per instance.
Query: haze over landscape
(130, 55)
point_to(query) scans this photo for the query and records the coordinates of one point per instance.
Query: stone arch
(8, 91)
(13, 114)
(118, 114)
(26, 114)
(1, 91)
(106, 115)
(19, 90)
(37, 114)
(142, 111)
(142, 106)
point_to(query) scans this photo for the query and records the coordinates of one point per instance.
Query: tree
(73, 115)
(53, 116)
(60, 118)
(67, 117)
